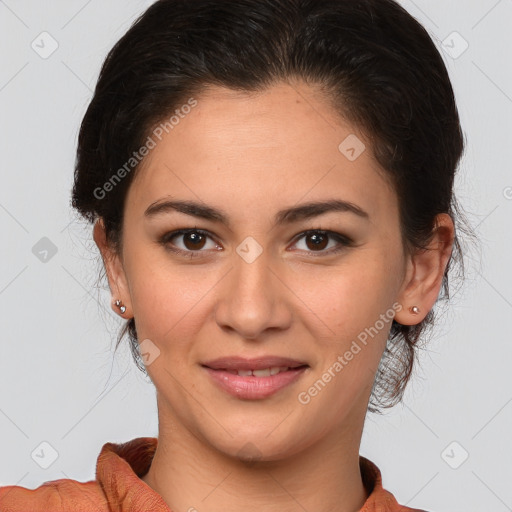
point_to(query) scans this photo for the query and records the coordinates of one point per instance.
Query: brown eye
(193, 240)
(319, 241)
(189, 242)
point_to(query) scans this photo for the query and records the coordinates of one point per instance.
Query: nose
(253, 299)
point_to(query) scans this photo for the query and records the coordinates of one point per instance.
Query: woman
(271, 187)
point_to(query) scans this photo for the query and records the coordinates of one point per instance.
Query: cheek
(356, 313)
(166, 297)
(344, 300)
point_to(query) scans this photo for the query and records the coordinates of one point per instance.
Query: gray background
(59, 380)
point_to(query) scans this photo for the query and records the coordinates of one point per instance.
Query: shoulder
(63, 495)
(119, 467)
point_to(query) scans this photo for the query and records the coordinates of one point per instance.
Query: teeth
(260, 373)
(266, 372)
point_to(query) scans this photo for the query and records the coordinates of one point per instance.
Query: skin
(251, 156)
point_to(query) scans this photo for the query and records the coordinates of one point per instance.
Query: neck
(193, 476)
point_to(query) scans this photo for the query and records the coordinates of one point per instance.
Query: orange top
(118, 486)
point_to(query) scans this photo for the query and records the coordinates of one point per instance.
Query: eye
(317, 240)
(193, 240)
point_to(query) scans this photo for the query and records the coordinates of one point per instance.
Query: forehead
(261, 150)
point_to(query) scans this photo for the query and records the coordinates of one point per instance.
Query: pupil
(318, 240)
(195, 238)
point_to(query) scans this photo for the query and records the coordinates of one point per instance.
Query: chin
(258, 446)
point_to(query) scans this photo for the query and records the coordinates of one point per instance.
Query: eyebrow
(286, 216)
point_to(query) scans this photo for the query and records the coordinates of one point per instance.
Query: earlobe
(426, 272)
(117, 282)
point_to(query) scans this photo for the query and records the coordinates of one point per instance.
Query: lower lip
(251, 387)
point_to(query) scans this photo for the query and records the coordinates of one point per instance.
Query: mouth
(265, 372)
(254, 379)
(237, 363)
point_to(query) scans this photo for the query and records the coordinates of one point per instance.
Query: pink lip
(252, 387)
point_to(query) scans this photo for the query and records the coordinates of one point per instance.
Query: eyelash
(344, 241)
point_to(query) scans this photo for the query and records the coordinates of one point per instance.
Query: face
(256, 274)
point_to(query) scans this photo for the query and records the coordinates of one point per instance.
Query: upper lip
(258, 363)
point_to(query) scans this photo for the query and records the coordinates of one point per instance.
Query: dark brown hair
(377, 65)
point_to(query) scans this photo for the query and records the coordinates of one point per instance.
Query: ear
(425, 272)
(112, 261)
